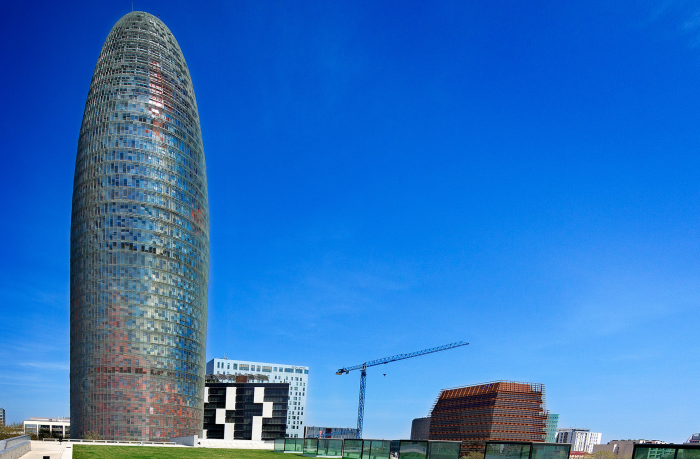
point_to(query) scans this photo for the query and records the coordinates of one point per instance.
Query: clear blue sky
(390, 176)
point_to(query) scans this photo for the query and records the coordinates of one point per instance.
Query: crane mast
(363, 374)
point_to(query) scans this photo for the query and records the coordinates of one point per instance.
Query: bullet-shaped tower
(139, 243)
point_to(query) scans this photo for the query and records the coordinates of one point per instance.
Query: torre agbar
(139, 243)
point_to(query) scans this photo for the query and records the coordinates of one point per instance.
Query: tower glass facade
(551, 425)
(139, 243)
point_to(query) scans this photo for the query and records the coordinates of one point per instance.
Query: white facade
(55, 426)
(296, 376)
(580, 439)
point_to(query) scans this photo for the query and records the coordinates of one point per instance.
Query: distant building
(580, 455)
(500, 410)
(48, 427)
(420, 428)
(579, 439)
(245, 411)
(695, 438)
(552, 423)
(623, 448)
(2, 416)
(277, 373)
(330, 432)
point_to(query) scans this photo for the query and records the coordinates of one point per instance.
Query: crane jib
(372, 363)
(394, 358)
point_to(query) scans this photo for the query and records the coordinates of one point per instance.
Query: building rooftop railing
(120, 442)
(32, 419)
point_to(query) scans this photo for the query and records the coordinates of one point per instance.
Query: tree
(604, 455)
(92, 435)
(474, 455)
(11, 430)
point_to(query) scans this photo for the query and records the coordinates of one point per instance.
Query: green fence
(290, 444)
(691, 451)
(550, 451)
(322, 447)
(444, 449)
(413, 449)
(526, 450)
(507, 450)
(310, 446)
(335, 447)
(366, 447)
(379, 449)
(374, 449)
(352, 449)
(293, 445)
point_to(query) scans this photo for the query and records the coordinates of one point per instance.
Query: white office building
(296, 376)
(579, 439)
(48, 427)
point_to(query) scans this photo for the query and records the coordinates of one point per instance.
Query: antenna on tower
(132, 7)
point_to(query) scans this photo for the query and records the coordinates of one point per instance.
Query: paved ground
(53, 449)
(56, 450)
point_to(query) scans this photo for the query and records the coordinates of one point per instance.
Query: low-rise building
(297, 377)
(695, 438)
(579, 439)
(48, 427)
(244, 411)
(330, 432)
(623, 448)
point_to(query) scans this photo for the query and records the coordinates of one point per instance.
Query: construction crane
(384, 361)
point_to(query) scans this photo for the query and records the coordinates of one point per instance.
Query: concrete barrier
(120, 442)
(235, 444)
(190, 440)
(14, 448)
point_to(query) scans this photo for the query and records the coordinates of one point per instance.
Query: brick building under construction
(499, 410)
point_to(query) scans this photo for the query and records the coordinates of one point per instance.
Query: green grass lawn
(155, 452)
